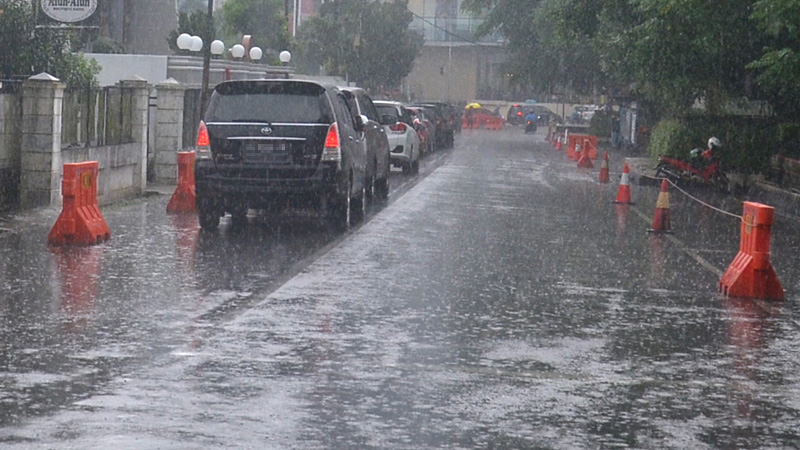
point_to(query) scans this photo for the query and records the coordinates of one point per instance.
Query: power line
(446, 30)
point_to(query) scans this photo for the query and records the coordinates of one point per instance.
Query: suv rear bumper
(209, 182)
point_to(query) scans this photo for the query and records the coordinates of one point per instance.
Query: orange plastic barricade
(494, 123)
(751, 275)
(184, 198)
(80, 221)
(572, 141)
(590, 146)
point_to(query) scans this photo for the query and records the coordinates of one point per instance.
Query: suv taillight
(332, 151)
(203, 142)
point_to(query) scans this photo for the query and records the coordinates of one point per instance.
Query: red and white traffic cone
(604, 169)
(661, 217)
(624, 191)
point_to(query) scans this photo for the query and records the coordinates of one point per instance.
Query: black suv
(374, 139)
(271, 144)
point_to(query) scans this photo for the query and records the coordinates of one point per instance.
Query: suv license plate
(268, 152)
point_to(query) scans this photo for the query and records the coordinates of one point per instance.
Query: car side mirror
(361, 122)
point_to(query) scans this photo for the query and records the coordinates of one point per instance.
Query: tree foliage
(264, 20)
(778, 67)
(366, 42)
(26, 51)
(194, 23)
(671, 53)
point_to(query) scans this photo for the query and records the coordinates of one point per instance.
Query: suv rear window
(269, 102)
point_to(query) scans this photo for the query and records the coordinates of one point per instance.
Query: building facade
(454, 65)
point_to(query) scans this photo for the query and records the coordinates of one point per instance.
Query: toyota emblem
(266, 131)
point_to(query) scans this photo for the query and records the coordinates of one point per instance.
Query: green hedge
(600, 125)
(747, 142)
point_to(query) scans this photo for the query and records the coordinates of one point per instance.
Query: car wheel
(382, 188)
(360, 207)
(369, 186)
(207, 214)
(239, 216)
(342, 210)
(415, 167)
(408, 168)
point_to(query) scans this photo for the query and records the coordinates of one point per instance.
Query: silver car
(403, 138)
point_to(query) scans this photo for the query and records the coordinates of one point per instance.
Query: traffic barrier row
(750, 275)
(80, 221)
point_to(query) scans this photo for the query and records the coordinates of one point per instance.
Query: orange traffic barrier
(661, 223)
(584, 161)
(624, 191)
(603, 178)
(80, 221)
(572, 141)
(751, 275)
(184, 198)
(590, 146)
(494, 124)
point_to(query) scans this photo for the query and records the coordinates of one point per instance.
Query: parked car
(404, 142)
(374, 140)
(270, 144)
(425, 129)
(445, 122)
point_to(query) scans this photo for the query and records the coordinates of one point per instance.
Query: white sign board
(69, 10)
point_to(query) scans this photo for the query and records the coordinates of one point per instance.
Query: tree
(264, 20)
(778, 66)
(366, 42)
(26, 51)
(193, 23)
(668, 52)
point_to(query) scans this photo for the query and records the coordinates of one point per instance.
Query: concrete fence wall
(10, 142)
(32, 154)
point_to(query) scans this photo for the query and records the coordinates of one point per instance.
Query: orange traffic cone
(559, 138)
(604, 169)
(661, 217)
(624, 191)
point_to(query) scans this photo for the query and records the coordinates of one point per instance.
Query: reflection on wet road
(499, 301)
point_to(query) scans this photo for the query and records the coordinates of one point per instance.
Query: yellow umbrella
(473, 105)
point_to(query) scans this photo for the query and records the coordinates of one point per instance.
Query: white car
(404, 143)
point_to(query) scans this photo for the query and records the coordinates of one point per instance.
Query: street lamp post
(206, 58)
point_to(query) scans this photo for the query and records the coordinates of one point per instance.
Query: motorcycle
(703, 167)
(530, 125)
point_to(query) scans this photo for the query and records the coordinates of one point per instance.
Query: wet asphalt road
(498, 301)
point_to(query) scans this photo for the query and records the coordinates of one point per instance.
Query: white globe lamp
(285, 56)
(197, 44)
(237, 51)
(184, 41)
(217, 47)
